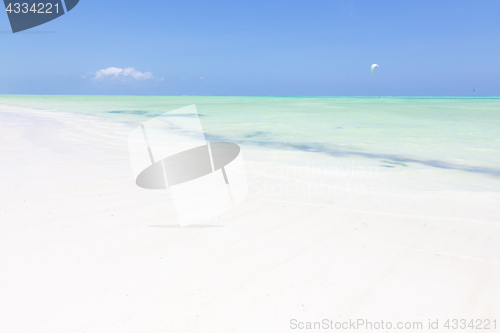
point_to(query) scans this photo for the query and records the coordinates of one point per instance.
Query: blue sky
(287, 48)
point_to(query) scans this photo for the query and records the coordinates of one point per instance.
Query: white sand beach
(83, 249)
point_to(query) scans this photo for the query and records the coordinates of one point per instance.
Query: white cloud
(128, 74)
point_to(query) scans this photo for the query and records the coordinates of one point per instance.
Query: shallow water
(446, 133)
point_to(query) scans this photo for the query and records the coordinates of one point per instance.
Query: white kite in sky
(373, 67)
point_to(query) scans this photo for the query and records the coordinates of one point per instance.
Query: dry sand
(83, 249)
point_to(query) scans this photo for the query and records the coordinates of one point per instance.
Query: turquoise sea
(460, 133)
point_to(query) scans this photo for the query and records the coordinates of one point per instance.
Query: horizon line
(279, 96)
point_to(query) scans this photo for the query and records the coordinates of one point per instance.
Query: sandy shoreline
(82, 249)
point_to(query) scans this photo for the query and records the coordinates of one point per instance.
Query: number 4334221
(36, 8)
(477, 324)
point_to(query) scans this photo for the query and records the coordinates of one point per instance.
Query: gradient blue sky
(285, 47)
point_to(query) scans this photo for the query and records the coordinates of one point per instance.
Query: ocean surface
(443, 133)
